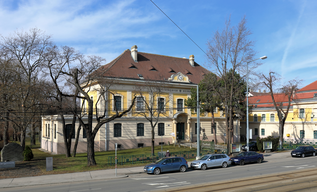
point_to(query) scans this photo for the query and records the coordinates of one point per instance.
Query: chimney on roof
(264, 91)
(191, 60)
(134, 53)
(259, 90)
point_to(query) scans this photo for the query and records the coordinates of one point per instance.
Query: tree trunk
(281, 126)
(90, 149)
(213, 126)
(70, 136)
(23, 138)
(76, 141)
(152, 141)
(14, 134)
(65, 136)
(33, 142)
(5, 131)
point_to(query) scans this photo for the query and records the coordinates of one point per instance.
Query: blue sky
(284, 30)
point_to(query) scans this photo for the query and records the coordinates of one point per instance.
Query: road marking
(300, 166)
(216, 174)
(165, 185)
(87, 190)
(146, 178)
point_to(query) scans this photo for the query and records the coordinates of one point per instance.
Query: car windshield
(204, 157)
(160, 160)
(300, 148)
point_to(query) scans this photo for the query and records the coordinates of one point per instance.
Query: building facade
(132, 73)
(301, 121)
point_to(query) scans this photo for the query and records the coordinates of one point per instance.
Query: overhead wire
(179, 27)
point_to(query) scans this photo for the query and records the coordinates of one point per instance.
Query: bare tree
(7, 87)
(229, 52)
(152, 103)
(27, 50)
(79, 73)
(282, 104)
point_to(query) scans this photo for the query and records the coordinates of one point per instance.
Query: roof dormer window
(188, 73)
(132, 66)
(140, 76)
(172, 71)
(152, 69)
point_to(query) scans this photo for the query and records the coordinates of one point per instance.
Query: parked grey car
(211, 160)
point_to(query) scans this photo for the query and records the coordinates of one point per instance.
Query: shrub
(259, 143)
(27, 153)
(275, 142)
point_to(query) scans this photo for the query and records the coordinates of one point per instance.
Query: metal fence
(291, 145)
(148, 158)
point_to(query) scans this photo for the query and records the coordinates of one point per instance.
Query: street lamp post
(248, 131)
(198, 125)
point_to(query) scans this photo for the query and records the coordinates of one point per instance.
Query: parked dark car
(303, 151)
(167, 165)
(252, 146)
(247, 157)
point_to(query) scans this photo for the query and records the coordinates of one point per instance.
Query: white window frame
(255, 118)
(301, 115)
(158, 98)
(136, 106)
(182, 105)
(163, 130)
(271, 117)
(263, 119)
(113, 103)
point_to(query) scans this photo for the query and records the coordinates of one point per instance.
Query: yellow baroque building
(301, 122)
(177, 123)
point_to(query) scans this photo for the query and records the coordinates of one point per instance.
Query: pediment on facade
(179, 77)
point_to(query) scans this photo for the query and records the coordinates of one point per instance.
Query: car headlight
(150, 167)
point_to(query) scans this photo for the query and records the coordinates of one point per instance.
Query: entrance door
(180, 131)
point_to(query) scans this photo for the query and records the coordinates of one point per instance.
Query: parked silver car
(211, 160)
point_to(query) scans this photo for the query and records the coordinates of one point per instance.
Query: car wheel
(303, 155)
(182, 169)
(157, 171)
(225, 165)
(259, 160)
(242, 162)
(203, 167)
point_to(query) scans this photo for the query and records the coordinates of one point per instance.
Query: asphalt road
(273, 163)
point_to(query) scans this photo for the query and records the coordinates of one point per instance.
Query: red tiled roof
(310, 87)
(151, 67)
(265, 99)
(307, 95)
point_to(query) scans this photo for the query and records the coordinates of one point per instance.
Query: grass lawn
(62, 164)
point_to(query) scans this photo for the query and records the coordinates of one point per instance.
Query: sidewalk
(93, 175)
(70, 177)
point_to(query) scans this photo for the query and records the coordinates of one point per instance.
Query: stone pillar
(174, 130)
(189, 129)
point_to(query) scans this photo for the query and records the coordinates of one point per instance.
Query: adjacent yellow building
(300, 124)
